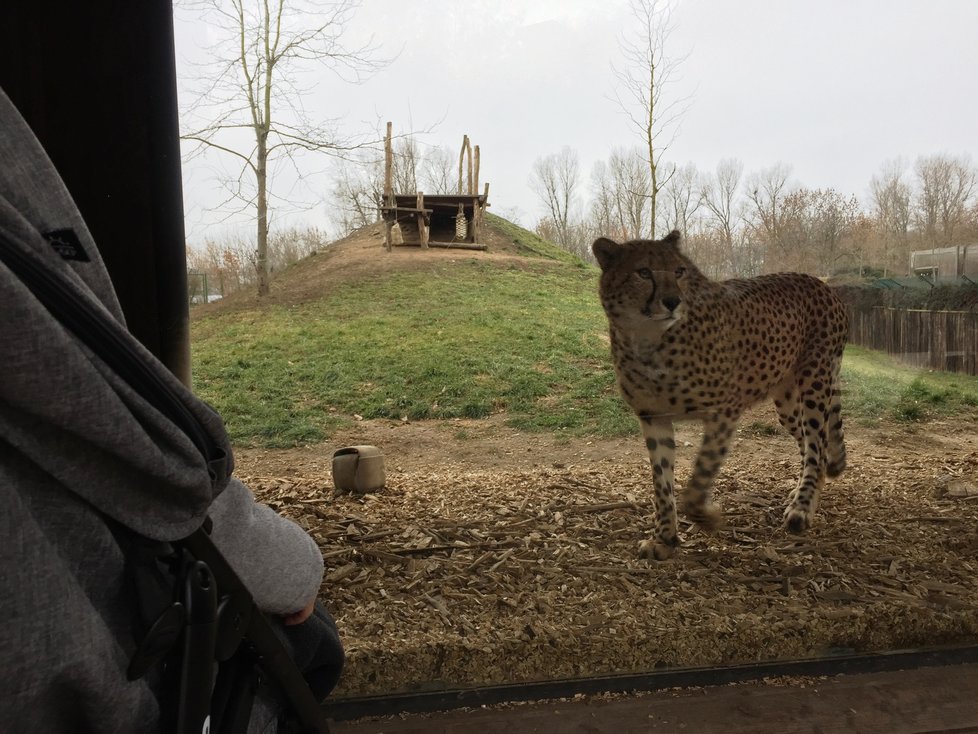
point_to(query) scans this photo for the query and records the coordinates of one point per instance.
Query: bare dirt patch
(496, 556)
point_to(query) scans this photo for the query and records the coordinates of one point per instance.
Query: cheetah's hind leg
(788, 407)
(814, 393)
(661, 444)
(836, 437)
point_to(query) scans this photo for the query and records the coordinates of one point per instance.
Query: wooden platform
(432, 218)
(934, 699)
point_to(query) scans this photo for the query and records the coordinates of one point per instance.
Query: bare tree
(620, 206)
(815, 229)
(767, 193)
(437, 174)
(643, 77)
(828, 220)
(555, 179)
(407, 159)
(251, 103)
(229, 264)
(971, 221)
(630, 179)
(602, 209)
(292, 244)
(891, 196)
(946, 185)
(683, 198)
(748, 257)
(720, 198)
(358, 189)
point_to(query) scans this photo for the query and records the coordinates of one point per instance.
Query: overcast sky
(833, 88)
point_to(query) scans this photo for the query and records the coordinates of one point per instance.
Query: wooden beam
(408, 209)
(422, 221)
(459, 245)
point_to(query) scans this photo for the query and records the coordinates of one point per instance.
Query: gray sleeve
(66, 410)
(276, 559)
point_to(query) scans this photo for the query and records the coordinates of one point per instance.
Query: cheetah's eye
(644, 273)
(680, 272)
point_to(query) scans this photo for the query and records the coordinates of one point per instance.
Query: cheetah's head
(643, 282)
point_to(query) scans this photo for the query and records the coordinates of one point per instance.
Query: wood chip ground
(455, 575)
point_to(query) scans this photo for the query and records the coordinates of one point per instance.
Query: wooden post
(469, 157)
(482, 211)
(461, 158)
(422, 224)
(388, 199)
(475, 184)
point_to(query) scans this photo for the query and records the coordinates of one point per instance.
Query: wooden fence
(938, 340)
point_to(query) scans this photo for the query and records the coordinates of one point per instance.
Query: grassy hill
(464, 336)
(446, 334)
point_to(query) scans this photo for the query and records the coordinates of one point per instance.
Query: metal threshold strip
(446, 699)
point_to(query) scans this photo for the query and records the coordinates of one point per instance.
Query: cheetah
(686, 347)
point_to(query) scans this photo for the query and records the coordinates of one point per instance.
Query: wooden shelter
(446, 220)
(439, 220)
(958, 262)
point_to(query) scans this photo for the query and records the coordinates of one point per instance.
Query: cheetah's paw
(708, 517)
(658, 549)
(797, 520)
(836, 468)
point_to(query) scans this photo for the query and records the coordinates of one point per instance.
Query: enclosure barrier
(937, 340)
(844, 662)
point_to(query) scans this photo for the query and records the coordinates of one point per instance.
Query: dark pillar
(97, 83)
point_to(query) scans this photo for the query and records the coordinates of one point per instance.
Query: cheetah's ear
(606, 252)
(672, 238)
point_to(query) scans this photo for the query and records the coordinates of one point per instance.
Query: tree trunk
(652, 206)
(261, 252)
(389, 167)
(653, 176)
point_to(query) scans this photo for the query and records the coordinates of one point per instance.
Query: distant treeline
(741, 224)
(736, 223)
(229, 264)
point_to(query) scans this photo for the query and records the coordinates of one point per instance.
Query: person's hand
(301, 616)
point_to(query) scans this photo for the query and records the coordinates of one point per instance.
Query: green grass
(879, 388)
(529, 244)
(466, 340)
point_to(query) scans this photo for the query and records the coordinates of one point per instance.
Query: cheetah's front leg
(661, 443)
(697, 505)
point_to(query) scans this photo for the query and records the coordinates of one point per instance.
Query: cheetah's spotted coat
(686, 347)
